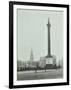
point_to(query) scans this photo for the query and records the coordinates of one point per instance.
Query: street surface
(40, 74)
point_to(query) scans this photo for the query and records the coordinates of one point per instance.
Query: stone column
(48, 36)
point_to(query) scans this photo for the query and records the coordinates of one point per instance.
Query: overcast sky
(32, 33)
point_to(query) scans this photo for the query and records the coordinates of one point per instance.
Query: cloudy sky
(32, 33)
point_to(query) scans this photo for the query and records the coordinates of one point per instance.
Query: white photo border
(28, 82)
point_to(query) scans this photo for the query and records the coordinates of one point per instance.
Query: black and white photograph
(39, 43)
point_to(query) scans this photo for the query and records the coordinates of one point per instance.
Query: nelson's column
(50, 59)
